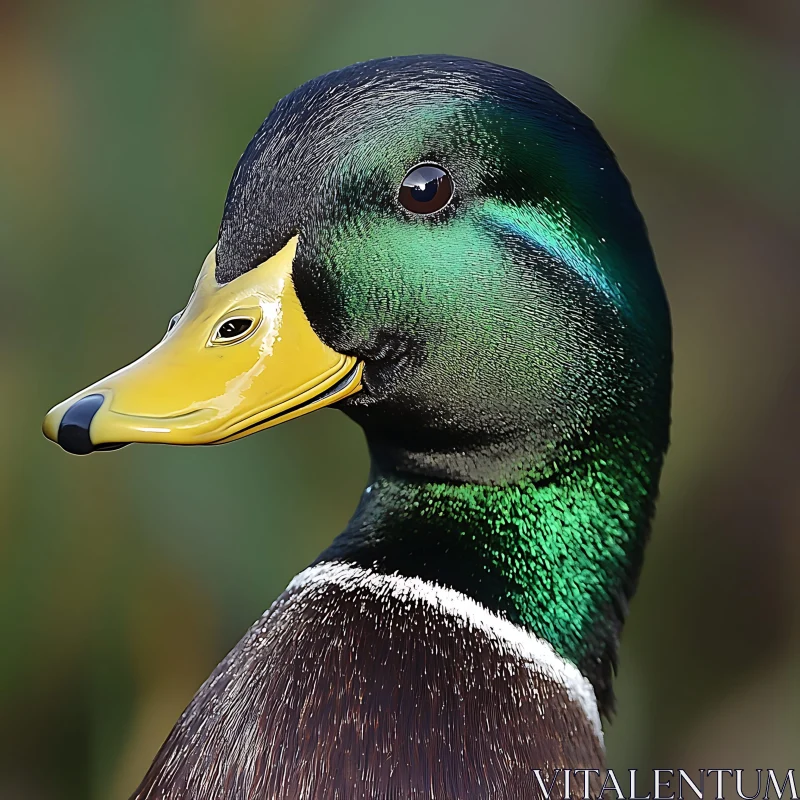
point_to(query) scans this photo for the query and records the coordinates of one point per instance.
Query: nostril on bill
(73, 432)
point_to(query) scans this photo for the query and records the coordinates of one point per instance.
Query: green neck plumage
(557, 551)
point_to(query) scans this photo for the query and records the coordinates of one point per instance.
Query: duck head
(444, 248)
(447, 251)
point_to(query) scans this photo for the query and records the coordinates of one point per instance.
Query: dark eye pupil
(426, 189)
(426, 193)
(234, 327)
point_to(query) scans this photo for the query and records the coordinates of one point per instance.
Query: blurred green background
(125, 577)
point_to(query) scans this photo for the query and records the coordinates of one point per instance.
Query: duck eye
(426, 189)
(233, 330)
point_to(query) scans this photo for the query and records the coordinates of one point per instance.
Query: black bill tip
(73, 432)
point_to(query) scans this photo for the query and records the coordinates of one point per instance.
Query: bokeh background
(125, 577)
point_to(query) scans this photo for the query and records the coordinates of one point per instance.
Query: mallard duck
(447, 251)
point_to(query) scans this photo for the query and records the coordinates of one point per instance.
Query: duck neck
(557, 551)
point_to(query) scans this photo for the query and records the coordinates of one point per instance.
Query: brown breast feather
(346, 693)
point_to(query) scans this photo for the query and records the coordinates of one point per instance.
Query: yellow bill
(242, 357)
